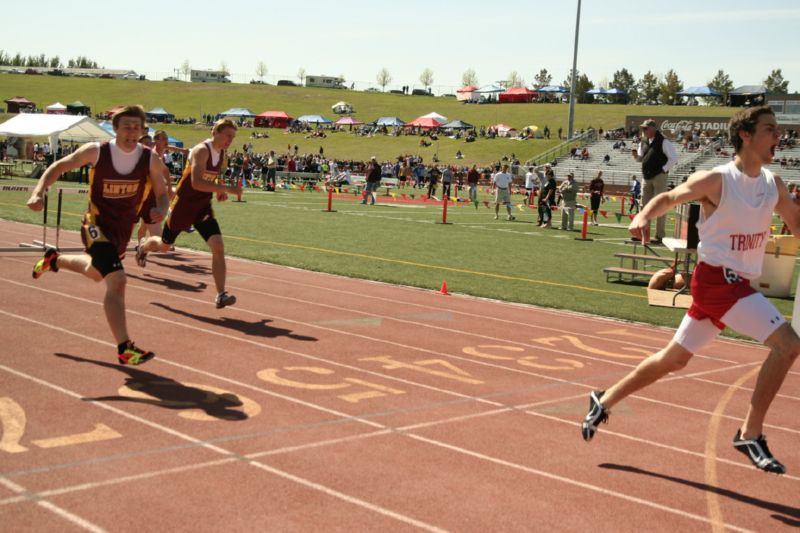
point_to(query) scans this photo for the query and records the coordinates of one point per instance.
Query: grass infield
(402, 243)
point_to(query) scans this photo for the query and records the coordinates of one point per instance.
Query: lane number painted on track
(14, 422)
(278, 376)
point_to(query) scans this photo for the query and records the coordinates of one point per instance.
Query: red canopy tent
(272, 119)
(423, 122)
(113, 111)
(518, 95)
(16, 104)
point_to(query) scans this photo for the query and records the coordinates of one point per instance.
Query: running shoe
(141, 256)
(224, 299)
(133, 355)
(756, 450)
(48, 262)
(597, 414)
(511, 217)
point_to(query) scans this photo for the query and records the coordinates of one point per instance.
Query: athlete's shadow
(788, 515)
(255, 329)
(152, 389)
(170, 283)
(189, 268)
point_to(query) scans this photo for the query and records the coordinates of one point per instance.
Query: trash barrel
(778, 267)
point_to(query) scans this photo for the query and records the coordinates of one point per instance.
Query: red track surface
(325, 403)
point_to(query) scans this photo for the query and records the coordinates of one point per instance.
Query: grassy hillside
(195, 99)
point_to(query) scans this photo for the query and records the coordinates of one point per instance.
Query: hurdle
(39, 246)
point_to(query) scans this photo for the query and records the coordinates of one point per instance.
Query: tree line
(18, 60)
(649, 89)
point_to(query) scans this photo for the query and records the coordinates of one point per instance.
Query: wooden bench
(627, 274)
(645, 258)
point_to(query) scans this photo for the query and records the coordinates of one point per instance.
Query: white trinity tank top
(736, 234)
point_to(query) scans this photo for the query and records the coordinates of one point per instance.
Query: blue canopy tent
(314, 119)
(159, 114)
(553, 89)
(699, 91)
(596, 90)
(489, 92)
(614, 90)
(238, 112)
(389, 121)
(106, 125)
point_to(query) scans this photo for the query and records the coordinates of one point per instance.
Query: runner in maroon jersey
(192, 205)
(119, 180)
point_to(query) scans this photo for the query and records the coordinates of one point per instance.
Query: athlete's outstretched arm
(703, 186)
(85, 155)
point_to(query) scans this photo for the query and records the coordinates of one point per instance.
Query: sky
(355, 39)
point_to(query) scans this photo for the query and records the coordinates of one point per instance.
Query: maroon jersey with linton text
(114, 198)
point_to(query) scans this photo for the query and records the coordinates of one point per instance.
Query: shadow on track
(152, 389)
(793, 518)
(170, 283)
(255, 329)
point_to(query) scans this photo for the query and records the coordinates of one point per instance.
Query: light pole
(574, 75)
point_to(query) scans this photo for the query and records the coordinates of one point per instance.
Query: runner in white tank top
(737, 200)
(736, 234)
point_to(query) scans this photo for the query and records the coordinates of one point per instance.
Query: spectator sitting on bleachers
(585, 154)
(607, 159)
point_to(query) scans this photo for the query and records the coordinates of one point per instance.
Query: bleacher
(789, 173)
(622, 165)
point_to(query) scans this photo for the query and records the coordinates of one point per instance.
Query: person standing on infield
(657, 155)
(191, 206)
(737, 201)
(502, 192)
(122, 173)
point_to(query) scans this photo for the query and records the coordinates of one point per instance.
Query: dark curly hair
(745, 120)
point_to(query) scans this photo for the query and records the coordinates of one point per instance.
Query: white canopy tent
(435, 116)
(56, 108)
(67, 127)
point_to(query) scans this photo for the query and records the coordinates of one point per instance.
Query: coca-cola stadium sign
(672, 126)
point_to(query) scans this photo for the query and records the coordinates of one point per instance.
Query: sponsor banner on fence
(673, 125)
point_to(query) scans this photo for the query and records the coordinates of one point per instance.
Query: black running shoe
(756, 450)
(597, 414)
(224, 299)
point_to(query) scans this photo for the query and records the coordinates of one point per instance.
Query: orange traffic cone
(443, 290)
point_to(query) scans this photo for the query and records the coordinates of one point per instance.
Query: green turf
(194, 99)
(513, 261)
(403, 244)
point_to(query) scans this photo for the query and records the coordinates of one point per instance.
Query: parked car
(32, 71)
(286, 83)
(420, 92)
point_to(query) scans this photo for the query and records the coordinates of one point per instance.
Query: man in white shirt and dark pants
(502, 194)
(657, 155)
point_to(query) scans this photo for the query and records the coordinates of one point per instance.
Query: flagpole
(574, 75)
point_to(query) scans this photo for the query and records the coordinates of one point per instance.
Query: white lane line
(471, 453)
(275, 471)
(572, 482)
(25, 495)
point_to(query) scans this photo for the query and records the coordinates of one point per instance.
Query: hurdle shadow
(164, 392)
(785, 514)
(168, 283)
(259, 328)
(189, 268)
